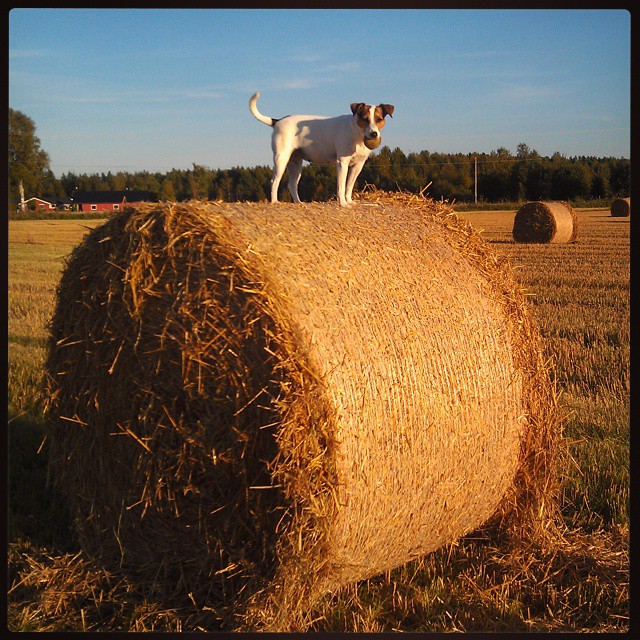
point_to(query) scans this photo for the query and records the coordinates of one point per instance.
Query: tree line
(501, 176)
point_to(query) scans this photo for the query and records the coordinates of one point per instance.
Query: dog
(346, 140)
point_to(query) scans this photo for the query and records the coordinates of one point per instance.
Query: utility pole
(475, 181)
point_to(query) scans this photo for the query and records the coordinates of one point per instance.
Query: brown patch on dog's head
(361, 111)
(386, 109)
(358, 107)
(379, 114)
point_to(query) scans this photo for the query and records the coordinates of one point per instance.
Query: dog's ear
(356, 106)
(387, 110)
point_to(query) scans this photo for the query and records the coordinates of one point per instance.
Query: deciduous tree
(28, 163)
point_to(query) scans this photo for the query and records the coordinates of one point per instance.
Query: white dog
(345, 140)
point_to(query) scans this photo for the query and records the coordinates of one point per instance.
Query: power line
(426, 164)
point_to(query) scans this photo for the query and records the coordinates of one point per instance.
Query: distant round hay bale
(621, 207)
(259, 404)
(545, 222)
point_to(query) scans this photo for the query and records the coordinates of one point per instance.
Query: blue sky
(156, 89)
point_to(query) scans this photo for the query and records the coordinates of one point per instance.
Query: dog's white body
(323, 140)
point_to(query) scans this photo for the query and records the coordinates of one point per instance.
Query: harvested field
(486, 581)
(264, 404)
(545, 222)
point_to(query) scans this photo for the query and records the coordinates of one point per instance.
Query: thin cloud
(199, 95)
(29, 53)
(300, 84)
(594, 117)
(320, 76)
(523, 134)
(343, 67)
(93, 99)
(530, 92)
(484, 54)
(140, 97)
(304, 58)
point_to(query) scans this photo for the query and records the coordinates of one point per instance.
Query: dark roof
(56, 199)
(86, 197)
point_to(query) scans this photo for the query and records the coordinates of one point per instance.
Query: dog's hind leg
(294, 169)
(280, 161)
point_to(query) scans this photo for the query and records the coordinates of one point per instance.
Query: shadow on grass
(28, 341)
(35, 511)
(577, 583)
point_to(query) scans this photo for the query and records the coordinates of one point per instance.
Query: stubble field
(579, 294)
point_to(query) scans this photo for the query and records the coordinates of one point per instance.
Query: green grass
(36, 258)
(57, 215)
(579, 295)
(37, 250)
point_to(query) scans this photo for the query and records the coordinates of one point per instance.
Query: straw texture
(621, 207)
(260, 404)
(545, 222)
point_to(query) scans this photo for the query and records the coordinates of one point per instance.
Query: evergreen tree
(501, 176)
(167, 190)
(620, 181)
(537, 180)
(600, 183)
(200, 180)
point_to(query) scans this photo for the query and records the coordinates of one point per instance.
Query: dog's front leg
(354, 172)
(342, 169)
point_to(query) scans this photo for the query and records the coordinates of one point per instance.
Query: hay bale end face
(545, 222)
(258, 404)
(621, 207)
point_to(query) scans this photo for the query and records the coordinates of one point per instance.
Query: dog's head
(371, 120)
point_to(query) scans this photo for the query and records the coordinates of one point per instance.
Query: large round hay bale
(621, 207)
(259, 404)
(545, 222)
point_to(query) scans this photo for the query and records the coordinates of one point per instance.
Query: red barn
(39, 204)
(109, 200)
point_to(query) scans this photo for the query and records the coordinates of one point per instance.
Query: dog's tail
(254, 109)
